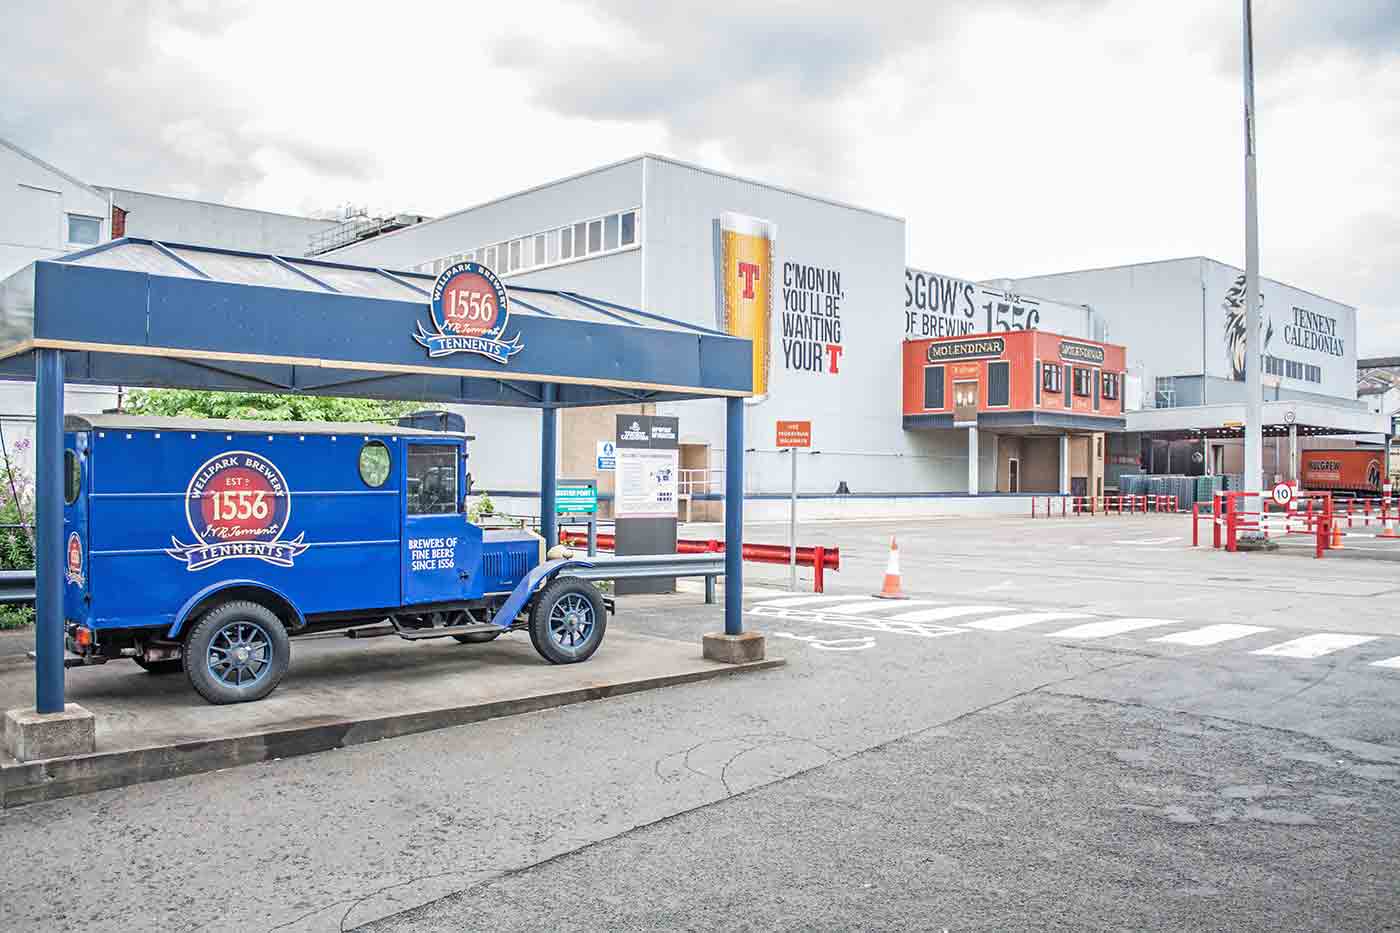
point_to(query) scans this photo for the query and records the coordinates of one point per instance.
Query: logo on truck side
(73, 573)
(469, 311)
(237, 505)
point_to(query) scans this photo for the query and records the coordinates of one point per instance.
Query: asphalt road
(1065, 732)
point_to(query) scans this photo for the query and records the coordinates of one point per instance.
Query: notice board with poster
(645, 493)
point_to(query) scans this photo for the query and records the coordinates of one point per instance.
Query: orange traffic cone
(1388, 532)
(892, 588)
(1336, 537)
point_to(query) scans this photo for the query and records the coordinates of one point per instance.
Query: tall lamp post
(1253, 343)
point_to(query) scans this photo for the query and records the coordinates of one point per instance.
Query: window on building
(1166, 392)
(1111, 385)
(933, 387)
(84, 230)
(432, 479)
(1083, 381)
(998, 384)
(1051, 379)
(597, 235)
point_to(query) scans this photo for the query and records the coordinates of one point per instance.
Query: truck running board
(417, 634)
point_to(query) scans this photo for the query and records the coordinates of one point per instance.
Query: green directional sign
(576, 497)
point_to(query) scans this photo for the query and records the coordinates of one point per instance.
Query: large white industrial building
(649, 233)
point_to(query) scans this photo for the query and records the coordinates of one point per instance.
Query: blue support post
(549, 446)
(734, 518)
(48, 521)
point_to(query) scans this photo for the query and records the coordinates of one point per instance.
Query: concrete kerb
(31, 782)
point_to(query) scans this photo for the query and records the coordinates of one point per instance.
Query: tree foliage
(263, 406)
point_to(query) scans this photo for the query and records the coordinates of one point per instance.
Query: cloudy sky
(1016, 136)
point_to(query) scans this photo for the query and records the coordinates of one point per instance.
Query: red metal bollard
(818, 569)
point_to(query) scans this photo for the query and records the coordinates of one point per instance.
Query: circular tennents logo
(470, 301)
(237, 496)
(1373, 474)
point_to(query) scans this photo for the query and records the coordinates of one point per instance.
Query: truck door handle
(464, 574)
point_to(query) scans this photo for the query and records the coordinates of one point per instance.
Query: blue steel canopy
(141, 312)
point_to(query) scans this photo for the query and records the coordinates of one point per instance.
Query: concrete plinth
(734, 649)
(31, 736)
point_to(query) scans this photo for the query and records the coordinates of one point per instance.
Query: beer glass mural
(746, 269)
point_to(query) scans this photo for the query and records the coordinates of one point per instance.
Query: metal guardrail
(638, 566)
(16, 587)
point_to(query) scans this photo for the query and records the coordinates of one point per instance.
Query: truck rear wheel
(567, 621)
(237, 652)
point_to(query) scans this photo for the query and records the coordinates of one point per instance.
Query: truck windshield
(432, 479)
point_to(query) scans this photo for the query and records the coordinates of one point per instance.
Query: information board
(648, 467)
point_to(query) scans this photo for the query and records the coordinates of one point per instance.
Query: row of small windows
(1290, 369)
(598, 235)
(1052, 379)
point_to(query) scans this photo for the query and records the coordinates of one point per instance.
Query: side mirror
(469, 483)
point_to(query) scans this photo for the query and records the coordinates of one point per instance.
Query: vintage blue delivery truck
(202, 545)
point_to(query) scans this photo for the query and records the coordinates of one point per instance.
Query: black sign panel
(1081, 352)
(974, 349)
(649, 432)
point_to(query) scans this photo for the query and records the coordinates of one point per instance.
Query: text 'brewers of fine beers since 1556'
(747, 260)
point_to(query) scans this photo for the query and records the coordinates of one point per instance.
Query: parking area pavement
(1067, 736)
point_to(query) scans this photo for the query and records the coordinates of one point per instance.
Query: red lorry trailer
(1355, 470)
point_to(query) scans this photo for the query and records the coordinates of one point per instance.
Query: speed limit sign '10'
(1283, 493)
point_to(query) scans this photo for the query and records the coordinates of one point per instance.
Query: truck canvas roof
(152, 423)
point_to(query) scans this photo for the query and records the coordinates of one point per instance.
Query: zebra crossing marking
(786, 601)
(874, 605)
(1314, 646)
(1109, 627)
(1212, 634)
(944, 613)
(1016, 620)
(861, 613)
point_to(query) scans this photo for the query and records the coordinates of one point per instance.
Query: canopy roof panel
(142, 312)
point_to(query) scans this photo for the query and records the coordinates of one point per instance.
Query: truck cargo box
(1353, 469)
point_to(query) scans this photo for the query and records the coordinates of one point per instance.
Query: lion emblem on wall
(1235, 313)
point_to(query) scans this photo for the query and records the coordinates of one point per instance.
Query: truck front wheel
(236, 652)
(567, 621)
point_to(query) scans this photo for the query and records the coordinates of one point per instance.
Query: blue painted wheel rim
(240, 654)
(571, 622)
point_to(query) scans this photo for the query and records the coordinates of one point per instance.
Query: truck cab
(203, 546)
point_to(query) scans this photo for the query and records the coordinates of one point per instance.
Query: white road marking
(1388, 662)
(1315, 646)
(874, 605)
(818, 617)
(1150, 541)
(808, 600)
(1212, 634)
(1007, 623)
(946, 612)
(831, 644)
(1110, 627)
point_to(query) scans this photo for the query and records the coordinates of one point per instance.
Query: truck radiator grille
(509, 566)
